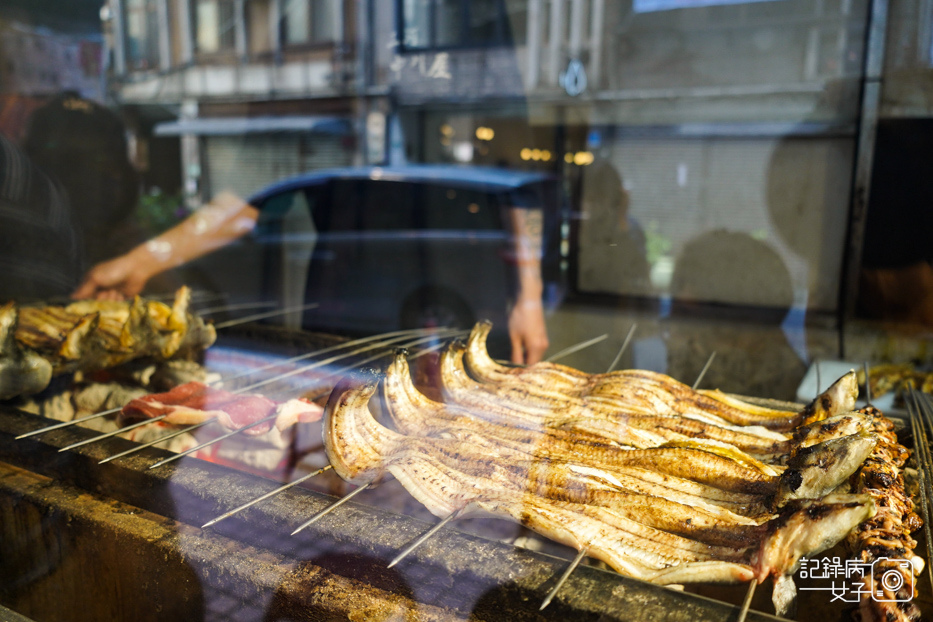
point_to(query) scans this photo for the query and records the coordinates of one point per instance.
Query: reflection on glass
(215, 25)
(560, 167)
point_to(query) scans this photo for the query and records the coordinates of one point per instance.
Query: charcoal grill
(83, 541)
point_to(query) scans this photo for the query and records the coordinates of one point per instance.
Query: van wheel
(432, 307)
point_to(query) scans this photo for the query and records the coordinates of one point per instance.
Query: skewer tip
(563, 578)
(746, 604)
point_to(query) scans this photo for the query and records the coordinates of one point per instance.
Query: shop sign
(573, 78)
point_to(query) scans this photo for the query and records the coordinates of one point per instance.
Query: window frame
(502, 38)
(150, 59)
(223, 50)
(311, 43)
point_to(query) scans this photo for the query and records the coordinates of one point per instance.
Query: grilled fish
(21, 370)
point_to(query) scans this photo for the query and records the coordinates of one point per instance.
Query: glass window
(215, 25)
(309, 21)
(371, 206)
(458, 209)
(430, 24)
(776, 43)
(702, 170)
(399, 206)
(142, 32)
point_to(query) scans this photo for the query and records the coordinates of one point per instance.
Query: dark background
(71, 16)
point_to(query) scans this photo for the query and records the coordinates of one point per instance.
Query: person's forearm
(220, 222)
(527, 330)
(223, 220)
(527, 225)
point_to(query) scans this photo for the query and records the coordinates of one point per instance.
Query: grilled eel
(22, 371)
(448, 475)
(640, 427)
(813, 471)
(542, 407)
(639, 391)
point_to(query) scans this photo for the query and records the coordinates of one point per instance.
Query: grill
(88, 541)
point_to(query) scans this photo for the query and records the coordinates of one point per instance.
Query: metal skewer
(582, 552)
(628, 338)
(260, 316)
(563, 578)
(867, 383)
(110, 434)
(203, 423)
(65, 424)
(336, 358)
(212, 441)
(235, 307)
(286, 486)
(576, 348)
(709, 362)
(196, 296)
(172, 435)
(395, 336)
(272, 493)
(423, 537)
(333, 506)
(920, 419)
(747, 603)
(273, 416)
(399, 335)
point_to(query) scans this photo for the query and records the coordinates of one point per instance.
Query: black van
(385, 248)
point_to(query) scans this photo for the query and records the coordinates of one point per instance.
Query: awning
(226, 126)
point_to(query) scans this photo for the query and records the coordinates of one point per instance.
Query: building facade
(748, 117)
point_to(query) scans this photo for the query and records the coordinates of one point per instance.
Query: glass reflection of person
(896, 279)
(227, 217)
(613, 257)
(39, 249)
(527, 329)
(65, 195)
(82, 145)
(722, 267)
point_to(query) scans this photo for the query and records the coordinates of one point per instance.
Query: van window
(374, 205)
(460, 209)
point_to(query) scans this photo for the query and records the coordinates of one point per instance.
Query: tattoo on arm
(530, 227)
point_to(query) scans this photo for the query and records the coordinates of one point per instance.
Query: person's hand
(527, 331)
(115, 279)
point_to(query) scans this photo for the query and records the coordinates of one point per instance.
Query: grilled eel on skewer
(553, 407)
(450, 475)
(645, 392)
(531, 405)
(813, 471)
